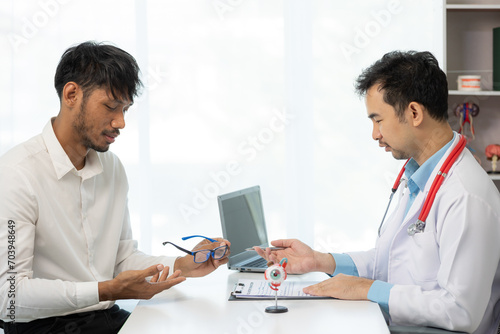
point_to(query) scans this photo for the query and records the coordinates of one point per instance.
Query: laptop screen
(243, 223)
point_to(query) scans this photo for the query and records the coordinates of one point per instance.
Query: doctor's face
(389, 130)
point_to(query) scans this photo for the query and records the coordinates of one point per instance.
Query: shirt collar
(60, 160)
(419, 175)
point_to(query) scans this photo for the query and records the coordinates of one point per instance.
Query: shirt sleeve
(130, 258)
(379, 293)
(344, 265)
(29, 298)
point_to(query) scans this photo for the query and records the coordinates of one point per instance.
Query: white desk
(200, 305)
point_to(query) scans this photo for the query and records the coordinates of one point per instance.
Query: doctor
(436, 258)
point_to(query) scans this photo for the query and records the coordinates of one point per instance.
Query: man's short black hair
(96, 65)
(406, 77)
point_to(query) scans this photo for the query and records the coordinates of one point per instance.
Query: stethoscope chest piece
(417, 227)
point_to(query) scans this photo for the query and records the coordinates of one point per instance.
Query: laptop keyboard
(260, 262)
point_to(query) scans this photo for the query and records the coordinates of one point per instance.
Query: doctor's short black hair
(95, 65)
(406, 77)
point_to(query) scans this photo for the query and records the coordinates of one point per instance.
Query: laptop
(243, 224)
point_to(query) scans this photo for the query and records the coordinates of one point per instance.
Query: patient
(65, 225)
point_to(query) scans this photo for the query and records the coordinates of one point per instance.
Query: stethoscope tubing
(436, 184)
(438, 180)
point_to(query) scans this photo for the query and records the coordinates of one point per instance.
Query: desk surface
(201, 304)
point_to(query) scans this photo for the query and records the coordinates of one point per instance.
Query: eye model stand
(275, 275)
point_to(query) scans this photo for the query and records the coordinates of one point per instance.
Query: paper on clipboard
(259, 289)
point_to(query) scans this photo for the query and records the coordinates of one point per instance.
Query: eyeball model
(276, 274)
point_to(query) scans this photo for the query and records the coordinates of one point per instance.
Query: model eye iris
(275, 274)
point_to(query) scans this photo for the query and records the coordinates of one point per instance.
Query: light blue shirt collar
(419, 175)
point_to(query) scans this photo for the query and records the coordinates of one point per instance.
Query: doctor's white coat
(448, 276)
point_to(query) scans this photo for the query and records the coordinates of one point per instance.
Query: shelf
(468, 49)
(473, 7)
(474, 93)
(468, 30)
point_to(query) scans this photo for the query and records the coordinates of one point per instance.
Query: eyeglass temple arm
(179, 248)
(198, 236)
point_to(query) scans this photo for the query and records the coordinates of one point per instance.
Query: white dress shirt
(67, 230)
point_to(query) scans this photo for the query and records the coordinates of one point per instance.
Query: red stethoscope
(419, 226)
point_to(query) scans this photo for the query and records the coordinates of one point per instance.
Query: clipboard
(248, 289)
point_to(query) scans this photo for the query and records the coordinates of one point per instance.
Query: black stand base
(276, 309)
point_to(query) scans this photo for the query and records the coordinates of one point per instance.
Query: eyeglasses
(202, 255)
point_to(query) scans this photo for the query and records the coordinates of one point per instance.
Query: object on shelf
(469, 82)
(496, 58)
(466, 112)
(492, 153)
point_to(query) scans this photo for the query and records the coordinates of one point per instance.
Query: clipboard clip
(238, 288)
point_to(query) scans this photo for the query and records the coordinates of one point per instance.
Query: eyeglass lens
(204, 254)
(219, 252)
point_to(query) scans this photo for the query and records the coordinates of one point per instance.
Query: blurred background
(237, 93)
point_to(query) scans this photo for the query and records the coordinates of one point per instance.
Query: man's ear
(416, 113)
(70, 94)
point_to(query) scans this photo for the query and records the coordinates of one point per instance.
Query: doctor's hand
(342, 287)
(132, 284)
(190, 268)
(301, 258)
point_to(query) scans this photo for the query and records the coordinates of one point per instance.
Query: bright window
(238, 93)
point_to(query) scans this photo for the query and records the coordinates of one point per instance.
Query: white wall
(239, 93)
